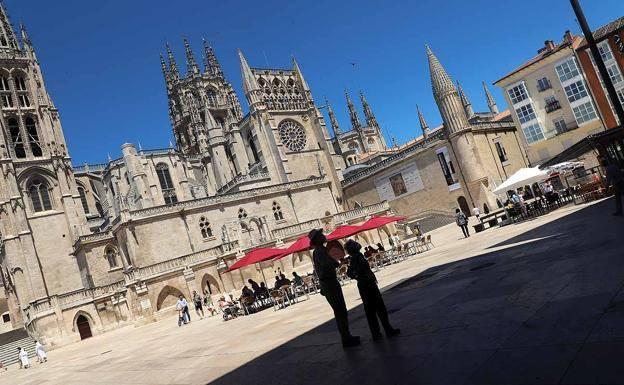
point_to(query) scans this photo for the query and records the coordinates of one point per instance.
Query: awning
(344, 232)
(301, 244)
(586, 145)
(522, 177)
(255, 256)
(376, 222)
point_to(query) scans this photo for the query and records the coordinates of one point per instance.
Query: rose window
(292, 135)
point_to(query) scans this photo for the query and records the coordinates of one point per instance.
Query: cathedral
(86, 249)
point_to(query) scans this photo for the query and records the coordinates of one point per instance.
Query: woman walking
(462, 221)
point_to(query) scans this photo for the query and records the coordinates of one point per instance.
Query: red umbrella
(255, 256)
(345, 231)
(301, 244)
(376, 222)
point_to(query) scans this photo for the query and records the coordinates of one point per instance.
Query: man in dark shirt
(325, 268)
(374, 306)
(615, 180)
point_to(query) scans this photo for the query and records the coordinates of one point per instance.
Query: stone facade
(86, 249)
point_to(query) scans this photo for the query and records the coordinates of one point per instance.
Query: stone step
(11, 341)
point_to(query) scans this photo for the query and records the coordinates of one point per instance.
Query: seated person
(373, 250)
(297, 279)
(278, 282)
(380, 247)
(264, 291)
(254, 285)
(247, 293)
(367, 252)
(228, 307)
(284, 281)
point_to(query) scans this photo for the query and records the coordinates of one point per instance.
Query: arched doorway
(463, 205)
(84, 327)
(209, 285)
(168, 297)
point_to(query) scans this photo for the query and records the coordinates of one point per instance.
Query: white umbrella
(522, 177)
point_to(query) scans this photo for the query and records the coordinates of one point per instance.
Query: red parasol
(255, 256)
(345, 231)
(376, 222)
(301, 244)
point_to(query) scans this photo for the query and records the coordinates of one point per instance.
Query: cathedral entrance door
(84, 328)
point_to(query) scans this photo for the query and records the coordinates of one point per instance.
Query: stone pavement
(539, 302)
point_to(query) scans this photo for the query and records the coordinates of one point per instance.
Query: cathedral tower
(456, 124)
(39, 197)
(205, 112)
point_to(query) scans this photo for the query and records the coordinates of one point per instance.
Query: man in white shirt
(182, 306)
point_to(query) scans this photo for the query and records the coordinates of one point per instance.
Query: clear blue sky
(101, 65)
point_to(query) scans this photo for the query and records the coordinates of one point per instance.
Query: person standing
(476, 212)
(616, 181)
(325, 269)
(197, 301)
(462, 221)
(182, 307)
(41, 353)
(23, 358)
(374, 306)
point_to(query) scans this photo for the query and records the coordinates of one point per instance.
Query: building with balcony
(550, 100)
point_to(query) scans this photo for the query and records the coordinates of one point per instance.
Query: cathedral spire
(300, 74)
(446, 96)
(465, 101)
(371, 121)
(250, 85)
(211, 63)
(423, 123)
(332, 119)
(355, 119)
(191, 65)
(174, 75)
(490, 100)
(26, 42)
(165, 71)
(8, 39)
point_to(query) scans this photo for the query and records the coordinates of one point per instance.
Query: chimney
(567, 37)
(549, 45)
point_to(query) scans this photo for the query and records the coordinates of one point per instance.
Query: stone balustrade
(241, 179)
(361, 212)
(298, 228)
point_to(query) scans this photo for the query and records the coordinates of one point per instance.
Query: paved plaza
(539, 302)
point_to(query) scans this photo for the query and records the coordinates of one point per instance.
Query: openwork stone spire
(211, 63)
(332, 119)
(355, 119)
(490, 100)
(250, 85)
(174, 75)
(371, 121)
(441, 82)
(192, 69)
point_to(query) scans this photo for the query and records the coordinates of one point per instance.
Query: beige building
(452, 166)
(551, 101)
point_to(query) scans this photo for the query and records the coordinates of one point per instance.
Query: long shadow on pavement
(544, 312)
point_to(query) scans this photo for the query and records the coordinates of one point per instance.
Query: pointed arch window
(277, 212)
(83, 199)
(20, 83)
(3, 41)
(16, 138)
(254, 149)
(33, 137)
(211, 95)
(204, 227)
(39, 195)
(166, 184)
(4, 84)
(111, 257)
